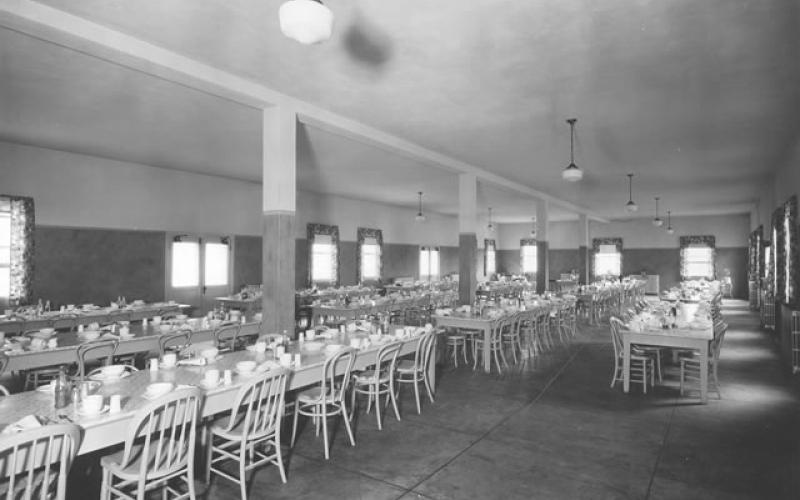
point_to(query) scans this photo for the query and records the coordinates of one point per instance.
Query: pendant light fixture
(420, 216)
(572, 173)
(490, 226)
(306, 21)
(533, 227)
(670, 229)
(630, 207)
(657, 221)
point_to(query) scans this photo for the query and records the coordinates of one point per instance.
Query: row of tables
(107, 429)
(19, 323)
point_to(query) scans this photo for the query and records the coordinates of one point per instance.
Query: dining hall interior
(400, 250)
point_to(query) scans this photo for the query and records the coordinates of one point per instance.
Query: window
(216, 264)
(5, 255)
(529, 257)
(699, 262)
(370, 260)
(607, 261)
(185, 264)
(323, 259)
(787, 253)
(490, 258)
(429, 263)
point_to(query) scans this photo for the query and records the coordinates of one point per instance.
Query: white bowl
(47, 331)
(113, 370)
(90, 334)
(209, 353)
(165, 328)
(157, 389)
(245, 366)
(93, 326)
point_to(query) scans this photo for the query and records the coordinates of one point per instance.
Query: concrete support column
(542, 246)
(467, 237)
(279, 213)
(583, 248)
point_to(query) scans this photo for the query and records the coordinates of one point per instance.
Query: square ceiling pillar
(279, 193)
(542, 250)
(467, 238)
(583, 248)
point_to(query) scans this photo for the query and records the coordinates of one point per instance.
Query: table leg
(626, 365)
(704, 372)
(487, 359)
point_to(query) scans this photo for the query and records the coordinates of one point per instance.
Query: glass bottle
(61, 390)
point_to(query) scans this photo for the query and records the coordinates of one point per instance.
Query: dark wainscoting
(665, 262)
(735, 260)
(247, 255)
(80, 265)
(300, 264)
(347, 263)
(508, 262)
(563, 261)
(448, 260)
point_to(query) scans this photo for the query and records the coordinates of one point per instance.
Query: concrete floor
(553, 428)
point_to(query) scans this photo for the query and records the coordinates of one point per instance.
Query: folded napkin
(25, 423)
(193, 362)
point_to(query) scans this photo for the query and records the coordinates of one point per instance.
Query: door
(198, 270)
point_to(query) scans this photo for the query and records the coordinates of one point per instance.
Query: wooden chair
(159, 448)
(378, 381)
(415, 371)
(174, 341)
(225, 336)
(512, 334)
(328, 399)
(253, 427)
(495, 345)
(454, 342)
(641, 365)
(35, 463)
(690, 364)
(97, 350)
(248, 333)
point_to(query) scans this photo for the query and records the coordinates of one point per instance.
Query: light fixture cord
(630, 187)
(420, 202)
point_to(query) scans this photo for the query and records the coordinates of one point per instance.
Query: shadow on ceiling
(367, 45)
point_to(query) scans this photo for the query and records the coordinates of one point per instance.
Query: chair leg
(325, 431)
(428, 387)
(377, 391)
(464, 351)
(209, 453)
(393, 395)
(242, 477)
(294, 425)
(346, 417)
(105, 491)
(416, 395)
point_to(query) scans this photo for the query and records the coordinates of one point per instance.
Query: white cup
(310, 334)
(154, 364)
(297, 359)
(115, 403)
(228, 377)
(355, 343)
(170, 359)
(279, 350)
(211, 377)
(124, 331)
(93, 404)
(261, 346)
(156, 320)
(286, 359)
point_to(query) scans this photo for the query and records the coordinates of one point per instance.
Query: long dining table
(107, 429)
(683, 338)
(15, 323)
(469, 321)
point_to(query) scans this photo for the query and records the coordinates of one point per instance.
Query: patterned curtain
(487, 244)
(312, 230)
(597, 242)
(23, 223)
(756, 257)
(787, 253)
(362, 234)
(779, 253)
(694, 241)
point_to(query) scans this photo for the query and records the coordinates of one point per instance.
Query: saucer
(80, 411)
(248, 373)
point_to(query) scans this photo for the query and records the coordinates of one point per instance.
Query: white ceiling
(699, 99)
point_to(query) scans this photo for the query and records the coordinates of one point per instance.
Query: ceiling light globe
(670, 230)
(572, 173)
(306, 21)
(658, 222)
(533, 233)
(490, 227)
(631, 207)
(420, 217)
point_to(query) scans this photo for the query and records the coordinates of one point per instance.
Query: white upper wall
(83, 191)
(729, 230)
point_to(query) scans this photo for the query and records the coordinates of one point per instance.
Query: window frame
(323, 231)
(430, 250)
(489, 247)
(529, 243)
(368, 237)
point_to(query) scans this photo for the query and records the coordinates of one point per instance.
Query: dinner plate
(205, 385)
(102, 377)
(252, 348)
(158, 389)
(246, 374)
(80, 411)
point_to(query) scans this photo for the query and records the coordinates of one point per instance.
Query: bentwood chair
(328, 399)
(641, 365)
(690, 364)
(35, 463)
(378, 381)
(495, 344)
(415, 371)
(174, 341)
(98, 350)
(251, 437)
(225, 336)
(512, 334)
(159, 448)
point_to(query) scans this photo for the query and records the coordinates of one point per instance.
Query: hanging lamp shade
(657, 221)
(670, 229)
(572, 173)
(630, 207)
(306, 21)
